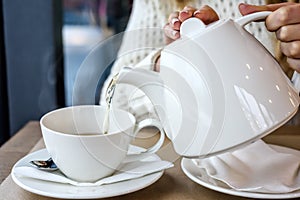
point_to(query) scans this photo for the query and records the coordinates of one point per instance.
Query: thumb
(246, 9)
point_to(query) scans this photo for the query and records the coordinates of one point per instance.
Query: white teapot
(218, 88)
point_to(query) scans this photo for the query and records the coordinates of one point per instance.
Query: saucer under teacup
(67, 191)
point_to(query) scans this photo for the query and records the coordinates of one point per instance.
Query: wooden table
(172, 185)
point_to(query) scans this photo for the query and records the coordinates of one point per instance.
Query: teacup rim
(91, 135)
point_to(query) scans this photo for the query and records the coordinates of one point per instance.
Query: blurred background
(43, 44)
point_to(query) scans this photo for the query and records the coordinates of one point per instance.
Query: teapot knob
(191, 27)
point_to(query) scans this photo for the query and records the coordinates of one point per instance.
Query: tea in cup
(74, 138)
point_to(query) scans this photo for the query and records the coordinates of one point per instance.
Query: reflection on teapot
(218, 88)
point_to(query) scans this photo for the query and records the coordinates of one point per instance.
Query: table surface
(172, 185)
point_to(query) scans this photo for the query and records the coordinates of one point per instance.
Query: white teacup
(73, 137)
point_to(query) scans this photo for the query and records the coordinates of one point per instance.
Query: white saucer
(200, 176)
(66, 191)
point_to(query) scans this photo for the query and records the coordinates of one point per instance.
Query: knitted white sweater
(144, 34)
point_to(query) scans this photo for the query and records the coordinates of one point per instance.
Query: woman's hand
(285, 22)
(172, 28)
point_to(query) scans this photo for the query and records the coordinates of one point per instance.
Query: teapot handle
(252, 17)
(262, 15)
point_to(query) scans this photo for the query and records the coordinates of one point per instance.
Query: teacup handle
(259, 16)
(153, 149)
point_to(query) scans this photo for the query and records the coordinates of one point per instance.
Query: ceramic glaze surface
(73, 151)
(74, 138)
(221, 89)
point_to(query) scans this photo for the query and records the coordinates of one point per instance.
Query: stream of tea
(108, 98)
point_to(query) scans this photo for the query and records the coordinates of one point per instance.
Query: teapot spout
(147, 81)
(139, 77)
